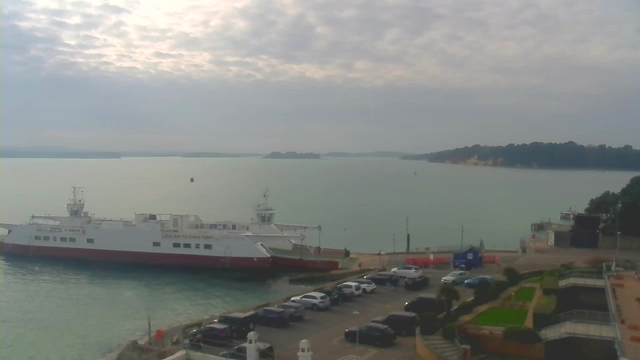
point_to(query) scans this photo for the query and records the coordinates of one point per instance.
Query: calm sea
(54, 310)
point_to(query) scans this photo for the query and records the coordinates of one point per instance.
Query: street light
(617, 231)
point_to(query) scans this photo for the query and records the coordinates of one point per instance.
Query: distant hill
(292, 155)
(568, 155)
(55, 153)
(391, 154)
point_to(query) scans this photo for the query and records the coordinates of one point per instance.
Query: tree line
(567, 155)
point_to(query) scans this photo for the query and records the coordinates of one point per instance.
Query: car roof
(237, 315)
(217, 326)
(315, 293)
(289, 303)
(349, 283)
(379, 326)
(403, 313)
(271, 308)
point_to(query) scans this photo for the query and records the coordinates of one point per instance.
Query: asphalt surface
(325, 329)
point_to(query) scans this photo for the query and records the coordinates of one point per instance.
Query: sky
(305, 75)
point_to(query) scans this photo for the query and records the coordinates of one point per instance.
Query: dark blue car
(472, 283)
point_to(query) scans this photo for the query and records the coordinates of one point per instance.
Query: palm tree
(448, 294)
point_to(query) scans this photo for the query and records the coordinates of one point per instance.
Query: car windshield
(388, 331)
(324, 297)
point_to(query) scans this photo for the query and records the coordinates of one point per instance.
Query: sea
(55, 310)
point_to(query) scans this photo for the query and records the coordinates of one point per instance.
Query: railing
(588, 317)
(578, 328)
(611, 301)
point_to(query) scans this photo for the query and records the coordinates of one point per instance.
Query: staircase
(444, 349)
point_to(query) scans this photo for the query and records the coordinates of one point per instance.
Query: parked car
(383, 278)
(473, 283)
(265, 352)
(415, 284)
(408, 271)
(401, 322)
(312, 300)
(455, 277)
(425, 303)
(240, 324)
(272, 316)
(345, 293)
(295, 311)
(210, 335)
(334, 295)
(351, 287)
(374, 334)
(367, 285)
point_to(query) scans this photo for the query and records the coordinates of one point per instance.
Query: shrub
(428, 322)
(485, 291)
(464, 308)
(499, 286)
(449, 331)
(596, 261)
(512, 275)
(531, 274)
(521, 334)
(448, 294)
(546, 304)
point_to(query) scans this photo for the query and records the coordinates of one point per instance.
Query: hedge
(546, 304)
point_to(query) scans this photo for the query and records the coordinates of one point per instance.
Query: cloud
(432, 66)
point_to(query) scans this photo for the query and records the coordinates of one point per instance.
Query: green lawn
(525, 294)
(535, 280)
(502, 317)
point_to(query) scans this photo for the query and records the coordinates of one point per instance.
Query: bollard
(305, 350)
(252, 346)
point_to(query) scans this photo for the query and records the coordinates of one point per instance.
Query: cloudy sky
(305, 75)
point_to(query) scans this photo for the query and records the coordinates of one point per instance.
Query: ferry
(164, 239)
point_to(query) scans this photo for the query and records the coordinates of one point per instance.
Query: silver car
(313, 300)
(295, 311)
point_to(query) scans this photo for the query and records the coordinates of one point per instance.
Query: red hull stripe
(136, 257)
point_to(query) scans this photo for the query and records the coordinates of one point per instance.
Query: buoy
(191, 180)
(159, 334)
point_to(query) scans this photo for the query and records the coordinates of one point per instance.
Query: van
(240, 324)
(351, 288)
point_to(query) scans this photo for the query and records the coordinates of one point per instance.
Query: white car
(351, 287)
(367, 285)
(408, 271)
(455, 277)
(312, 300)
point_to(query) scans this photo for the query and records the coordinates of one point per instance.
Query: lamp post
(617, 230)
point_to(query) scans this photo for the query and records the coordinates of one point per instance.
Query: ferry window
(63, 239)
(45, 238)
(156, 244)
(224, 226)
(38, 237)
(89, 241)
(176, 245)
(233, 227)
(197, 246)
(186, 245)
(215, 226)
(207, 246)
(175, 222)
(72, 239)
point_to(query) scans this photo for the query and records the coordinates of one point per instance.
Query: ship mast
(75, 207)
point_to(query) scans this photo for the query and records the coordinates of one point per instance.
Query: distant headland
(55, 153)
(215, 155)
(567, 155)
(291, 155)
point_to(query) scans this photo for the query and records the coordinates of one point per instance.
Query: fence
(589, 317)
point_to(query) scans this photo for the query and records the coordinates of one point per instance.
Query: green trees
(544, 155)
(626, 215)
(512, 275)
(448, 294)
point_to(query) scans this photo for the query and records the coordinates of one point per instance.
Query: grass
(546, 304)
(525, 294)
(502, 317)
(535, 280)
(549, 283)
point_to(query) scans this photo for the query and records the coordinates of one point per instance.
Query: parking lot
(325, 329)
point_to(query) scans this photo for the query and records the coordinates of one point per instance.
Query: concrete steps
(445, 349)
